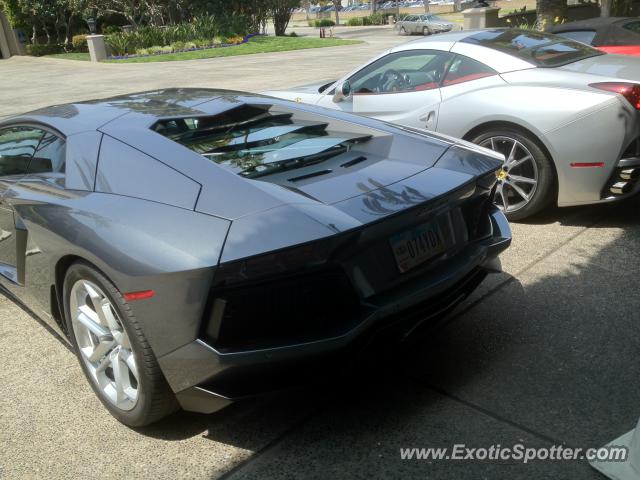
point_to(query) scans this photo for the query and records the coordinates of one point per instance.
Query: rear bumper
(206, 379)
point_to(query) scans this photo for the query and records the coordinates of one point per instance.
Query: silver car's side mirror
(342, 92)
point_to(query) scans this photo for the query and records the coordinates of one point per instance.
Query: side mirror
(343, 91)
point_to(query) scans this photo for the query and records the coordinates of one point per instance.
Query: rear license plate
(413, 247)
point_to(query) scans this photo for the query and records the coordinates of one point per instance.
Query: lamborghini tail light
(630, 91)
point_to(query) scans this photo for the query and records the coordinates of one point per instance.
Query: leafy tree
(281, 11)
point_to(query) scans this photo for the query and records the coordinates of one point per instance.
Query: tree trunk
(621, 8)
(46, 32)
(605, 8)
(426, 6)
(336, 4)
(550, 12)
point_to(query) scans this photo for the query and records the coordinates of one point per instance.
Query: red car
(610, 34)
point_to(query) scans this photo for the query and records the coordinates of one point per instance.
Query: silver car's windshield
(540, 49)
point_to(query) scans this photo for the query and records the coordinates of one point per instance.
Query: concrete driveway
(543, 354)
(27, 83)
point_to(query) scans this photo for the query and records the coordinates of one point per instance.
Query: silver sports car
(198, 246)
(564, 115)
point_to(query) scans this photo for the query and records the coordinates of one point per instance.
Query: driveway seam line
(270, 445)
(492, 415)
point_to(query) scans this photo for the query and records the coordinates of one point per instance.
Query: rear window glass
(258, 140)
(540, 49)
(582, 36)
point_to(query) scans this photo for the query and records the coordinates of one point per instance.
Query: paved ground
(27, 83)
(543, 354)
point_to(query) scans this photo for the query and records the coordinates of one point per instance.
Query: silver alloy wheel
(104, 344)
(518, 179)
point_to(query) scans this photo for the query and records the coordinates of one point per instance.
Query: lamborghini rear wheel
(526, 181)
(112, 350)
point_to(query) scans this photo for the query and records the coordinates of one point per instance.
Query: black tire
(155, 398)
(426, 31)
(545, 192)
(403, 31)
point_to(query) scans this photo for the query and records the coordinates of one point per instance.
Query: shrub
(154, 50)
(79, 43)
(235, 40)
(205, 27)
(121, 44)
(293, 34)
(177, 46)
(202, 43)
(40, 50)
(142, 51)
(355, 22)
(166, 49)
(218, 41)
(190, 46)
(377, 19)
(323, 22)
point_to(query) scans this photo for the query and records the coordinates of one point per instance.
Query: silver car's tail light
(630, 91)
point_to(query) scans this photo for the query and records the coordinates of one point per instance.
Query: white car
(564, 115)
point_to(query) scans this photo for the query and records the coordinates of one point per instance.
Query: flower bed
(188, 47)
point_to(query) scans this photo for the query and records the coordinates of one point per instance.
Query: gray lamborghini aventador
(197, 246)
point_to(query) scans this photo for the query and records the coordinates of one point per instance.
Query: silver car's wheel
(518, 179)
(104, 345)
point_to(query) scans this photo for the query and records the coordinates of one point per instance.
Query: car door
(401, 87)
(424, 22)
(17, 148)
(409, 23)
(465, 77)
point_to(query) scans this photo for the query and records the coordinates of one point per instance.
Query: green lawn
(255, 45)
(70, 56)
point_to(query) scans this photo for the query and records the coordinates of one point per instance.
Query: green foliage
(154, 50)
(203, 32)
(121, 44)
(255, 45)
(375, 19)
(293, 34)
(155, 22)
(322, 23)
(79, 43)
(111, 29)
(177, 46)
(40, 50)
(202, 43)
